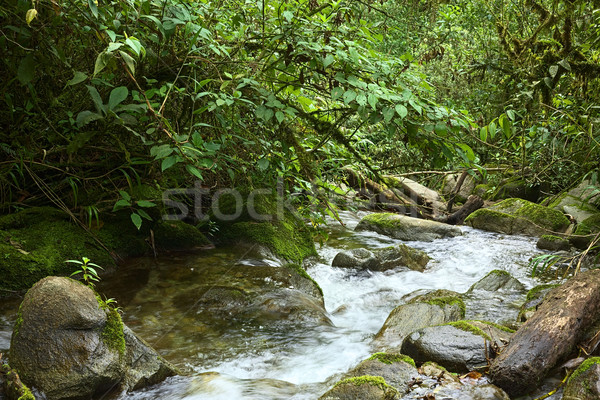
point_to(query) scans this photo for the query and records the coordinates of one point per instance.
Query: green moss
(497, 326)
(384, 220)
(26, 394)
(533, 293)
(177, 235)
(543, 216)
(112, 334)
(552, 238)
(365, 380)
(449, 301)
(589, 226)
(297, 268)
(390, 358)
(584, 367)
(14, 386)
(468, 327)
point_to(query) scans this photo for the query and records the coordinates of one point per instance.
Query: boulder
(178, 236)
(467, 187)
(584, 383)
(550, 335)
(587, 192)
(362, 387)
(460, 346)
(421, 312)
(574, 206)
(518, 216)
(497, 280)
(586, 231)
(396, 369)
(70, 345)
(418, 193)
(553, 243)
(406, 228)
(516, 187)
(382, 259)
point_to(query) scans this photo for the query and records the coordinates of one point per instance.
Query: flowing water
(236, 359)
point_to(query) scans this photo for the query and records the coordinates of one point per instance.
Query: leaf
(349, 95)
(101, 62)
(117, 96)
(373, 101)
(336, 93)
(93, 7)
(137, 220)
(26, 70)
(30, 15)
(553, 70)
(120, 204)
(483, 133)
(85, 117)
(361, 99)
(96, 98)
(263, 164)
(492, 128)
(144, 214)
(328, 60)
(468, 152)
(280, 116)
(78, 77)
(288, 15)
(548, 82)
(511, 114)
(135, 45)
(168, 162)
(402, 111)
(194, 171)
(129, 61)
(565, 64)
(145, 203)
(388, 114)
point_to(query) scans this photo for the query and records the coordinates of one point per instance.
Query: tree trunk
(473, 203)
(550, 335)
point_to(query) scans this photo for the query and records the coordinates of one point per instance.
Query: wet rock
(69, 347)
(535, 296)
(406, 228)
(584, 384)
(460, 346)
(420, 313)
(362, 387)
(587, 192)
(396, 369)
(574, 206)
(178, 236)
(518, 216)
(290, 305)
(382, 259)
(497, 280)
(553, 243)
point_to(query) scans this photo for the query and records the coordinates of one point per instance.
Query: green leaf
(553, 70)
(144, 214)
(565, 64)
(168, 162)
(137, 220)
(288, 15)
(85, 117)
(125, 195)
(101, 62)
(117, 96)
(388, 114)
(30, 15)
(145, 203)
(96, 98)
(336, 93)
(441, 129)
(402, 111)
(263, 164)
(361, 99)
(483, 134)
(468, 152)
(129, 61)
(120, 204)
(26, 70)
(349, 95)
(492, 128)
(280, 116)
(328, 60)
(194, 171)
(93, 7)
(161, 151)
(373, 101)
(78, 77)
(135, 45)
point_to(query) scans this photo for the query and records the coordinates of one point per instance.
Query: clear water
(233, 359)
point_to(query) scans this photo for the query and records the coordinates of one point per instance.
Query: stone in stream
(584, 383)
(396, 369)
(362, 387)
(518, 216)
(553, 243)
(497, 280)
(550, 335)
(69, 346)
(460, 346)
(382, 259)
(434, 308)
(406, 228)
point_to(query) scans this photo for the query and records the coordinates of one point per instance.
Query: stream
(233, 359)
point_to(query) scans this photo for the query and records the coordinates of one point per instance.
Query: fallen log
(458, 217)
(549, 337)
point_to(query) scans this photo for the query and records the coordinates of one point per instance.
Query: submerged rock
(406, 228)
(518, 216)
(69, 346)
(460, 346)
(584, 383)
(362, 387)
(382, 259)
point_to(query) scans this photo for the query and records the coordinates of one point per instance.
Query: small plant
(87, 270)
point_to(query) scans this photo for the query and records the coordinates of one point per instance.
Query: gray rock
(497, 280)
(584, 384)
(406, 228)
(391, 367)
(363, 388)
(553, 243)
(587, 192)
(67, 346)
(407, 318)
(382, 259)
(459, 346)
(411, 188)
(466, 189)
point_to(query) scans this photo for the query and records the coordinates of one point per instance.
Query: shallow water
(229, 358)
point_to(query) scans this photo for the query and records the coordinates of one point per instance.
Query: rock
(535, 296)
(517, 216)
(362, 387)
(553, 243)
(573, 206)
(466, 189)
(406, 228)
(66, 345)
(584, 383)
(418, 193)
(382, 259)
(585, 232)
(178, 236)
(460, 346)
(497, 280)
(396, 369)
(423, 311)
(550, 335)
(517, 187)
(587, 192)
(290, 305)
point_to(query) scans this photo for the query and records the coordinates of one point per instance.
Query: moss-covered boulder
(553, 243)
(178, 235)
(574, 206)
(69, 344)
(362, 387)
(382, 259)
(585, 232)
(460, 346)
(518, 216)
(584, 382)
(422, 311)
(406, 228)
(517, 187)
(497, 280)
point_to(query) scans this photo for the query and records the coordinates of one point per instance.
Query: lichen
(390, 358)
(533, 293)
(112, 334)
(468, 327)
(587, 364)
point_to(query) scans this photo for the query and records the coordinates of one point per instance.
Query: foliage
(87, 270)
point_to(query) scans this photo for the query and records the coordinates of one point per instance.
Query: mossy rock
(362, 387)
(178, 235)
(442, 298)
(496, 280)
(517, 187)
(534, 298)
(583, 383)
(406, 228)
(518, 216)
(553, 243)
(585, 232)
(483, 190)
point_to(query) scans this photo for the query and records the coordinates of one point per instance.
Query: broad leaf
(117, 96)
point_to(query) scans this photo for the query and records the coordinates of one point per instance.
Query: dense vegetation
(99, 96)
